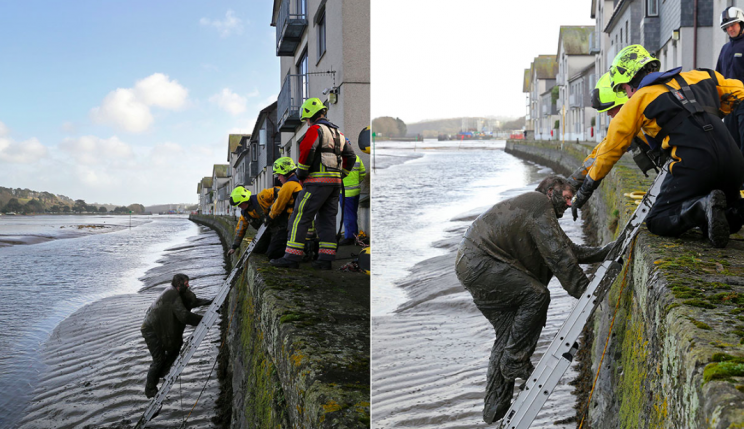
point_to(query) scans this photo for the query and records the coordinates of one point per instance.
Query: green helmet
(284, 165)
(310, 107)
(239, 195)
(629, 61)
(604, 98)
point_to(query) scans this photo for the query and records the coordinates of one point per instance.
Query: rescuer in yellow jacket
(604, 99)
(680, 111)
(253, 209)
(349, 202)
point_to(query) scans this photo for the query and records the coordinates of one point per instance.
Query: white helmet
(731, 15)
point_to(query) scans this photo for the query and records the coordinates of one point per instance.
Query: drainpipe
(695, 36)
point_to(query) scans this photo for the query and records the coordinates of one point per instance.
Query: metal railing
(293, 94)
(292, 20)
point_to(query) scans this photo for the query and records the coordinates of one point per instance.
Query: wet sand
(96, 359)
(430, 357)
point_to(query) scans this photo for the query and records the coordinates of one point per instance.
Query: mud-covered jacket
(524, 232)
(169, 315)
(285, 198)
(325, 155)
(255, 213)
(731, 59)
(353, 182)
(656, 110)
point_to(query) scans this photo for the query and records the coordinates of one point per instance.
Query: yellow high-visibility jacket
(353, 182)
(653, 107)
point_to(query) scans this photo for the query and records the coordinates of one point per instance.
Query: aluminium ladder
(564, 346)
(190, 346)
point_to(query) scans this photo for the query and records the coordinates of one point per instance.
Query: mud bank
(675, 356)
(298, 343)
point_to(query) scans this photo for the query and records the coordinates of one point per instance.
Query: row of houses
(682, 33)
(324, 52)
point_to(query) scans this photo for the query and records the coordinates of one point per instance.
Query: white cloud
(122, 110)
(3, 129)
(92, 150)
(158, 90)
(230, 25)
(253, 93)
(229, 101)
(95, 179)
(25, 152)
(128, 109)
(69, 128)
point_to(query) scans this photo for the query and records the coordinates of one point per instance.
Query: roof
(206, 182)
(220, 171)
(267, 111)
(620, 7)
(575, 39)
(526, 83)
(233, 141)
(545, 67)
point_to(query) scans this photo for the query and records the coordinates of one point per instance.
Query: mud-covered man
(506, 259)
(165, 321)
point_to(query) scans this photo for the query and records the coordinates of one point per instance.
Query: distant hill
(19, 200)
(432, 128)
(164, 208)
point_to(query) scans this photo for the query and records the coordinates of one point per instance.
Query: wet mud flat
(96, 360)
(431, 355)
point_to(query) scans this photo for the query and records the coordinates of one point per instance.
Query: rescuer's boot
(284, 263)
(735, 216)
(709, 213)
(322, 265)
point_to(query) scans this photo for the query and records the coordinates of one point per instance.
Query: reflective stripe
(294, 251)
(328, 245)
(298, 216)
(327, 251)
(295, 245)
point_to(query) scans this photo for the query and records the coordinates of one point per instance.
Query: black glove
(582, 196)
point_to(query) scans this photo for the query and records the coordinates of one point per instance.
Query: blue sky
(129, 102)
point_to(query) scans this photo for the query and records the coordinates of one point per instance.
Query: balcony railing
(291, 97)
(290, 26)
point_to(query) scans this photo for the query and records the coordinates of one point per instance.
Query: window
(652, 7)
(621, 35)
(254, 152)
(321, 34)
(302, 71)
(626, 32)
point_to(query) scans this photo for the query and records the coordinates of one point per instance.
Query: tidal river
(430, 344)
(74, 293)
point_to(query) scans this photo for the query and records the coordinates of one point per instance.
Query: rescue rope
(232, 313)
(609, 334)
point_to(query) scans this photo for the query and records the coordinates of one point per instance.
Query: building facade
(324, 50)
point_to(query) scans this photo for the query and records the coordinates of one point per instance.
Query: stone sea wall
(675, 357)
(298, 346)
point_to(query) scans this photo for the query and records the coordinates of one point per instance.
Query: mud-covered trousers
(516, 304)
(162, 358)
(320, 200)
(710, 164)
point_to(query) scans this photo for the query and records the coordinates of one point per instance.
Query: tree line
(35, 206)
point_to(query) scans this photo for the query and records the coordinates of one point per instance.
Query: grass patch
(723, 370)
(698, 303)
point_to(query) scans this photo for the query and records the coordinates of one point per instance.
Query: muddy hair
(179, 280)
(558, 183)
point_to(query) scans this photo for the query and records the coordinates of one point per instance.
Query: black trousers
(710, 163)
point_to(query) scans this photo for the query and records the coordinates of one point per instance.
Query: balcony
(576, 101)
(291, 97)
(594, 45)
(290, 26)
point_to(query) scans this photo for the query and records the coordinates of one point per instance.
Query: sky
(129, 102)
(434, 59)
